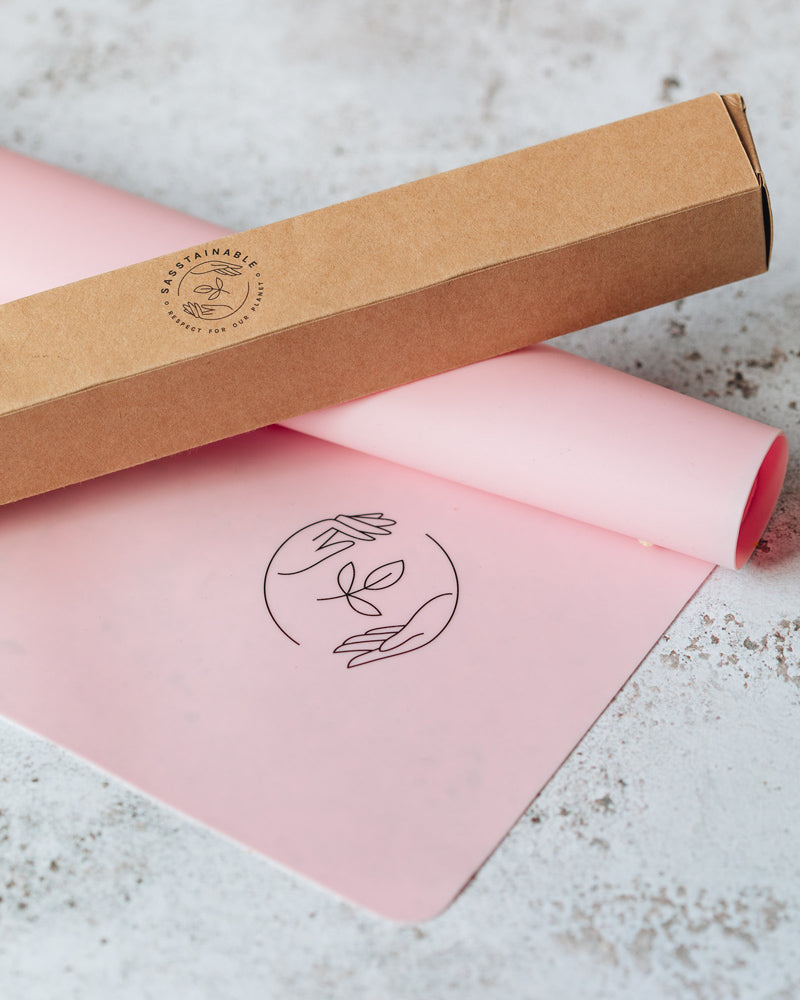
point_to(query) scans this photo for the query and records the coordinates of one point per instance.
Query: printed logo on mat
(213, 290)
(361, 586)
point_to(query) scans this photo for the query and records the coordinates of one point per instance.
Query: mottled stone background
(662, 860)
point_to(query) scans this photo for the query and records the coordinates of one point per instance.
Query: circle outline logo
(212, 290)
(324, 539)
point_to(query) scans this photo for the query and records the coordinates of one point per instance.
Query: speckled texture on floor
(661, 861)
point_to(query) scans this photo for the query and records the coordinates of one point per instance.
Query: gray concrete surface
(662, 859)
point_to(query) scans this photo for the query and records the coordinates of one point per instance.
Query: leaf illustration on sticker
(361, 606)
(346, 577)
(385, 576)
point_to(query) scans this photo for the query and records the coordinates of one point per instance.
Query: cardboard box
(247, 330)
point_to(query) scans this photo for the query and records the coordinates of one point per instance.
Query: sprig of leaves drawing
(213, 291)
(380, 578)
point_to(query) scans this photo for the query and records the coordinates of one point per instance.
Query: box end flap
(736, 108)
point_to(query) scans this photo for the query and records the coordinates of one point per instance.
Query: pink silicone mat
(363, 670)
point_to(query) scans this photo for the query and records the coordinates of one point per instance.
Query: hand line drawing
(394, 640)
(426, 624)
(229, 268)
(338, 534)
(309, 546)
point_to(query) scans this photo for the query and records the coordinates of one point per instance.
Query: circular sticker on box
(216, 289)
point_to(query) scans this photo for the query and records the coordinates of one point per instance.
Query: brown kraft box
(146, 361)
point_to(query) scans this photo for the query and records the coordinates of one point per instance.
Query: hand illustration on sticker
(330, 573)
